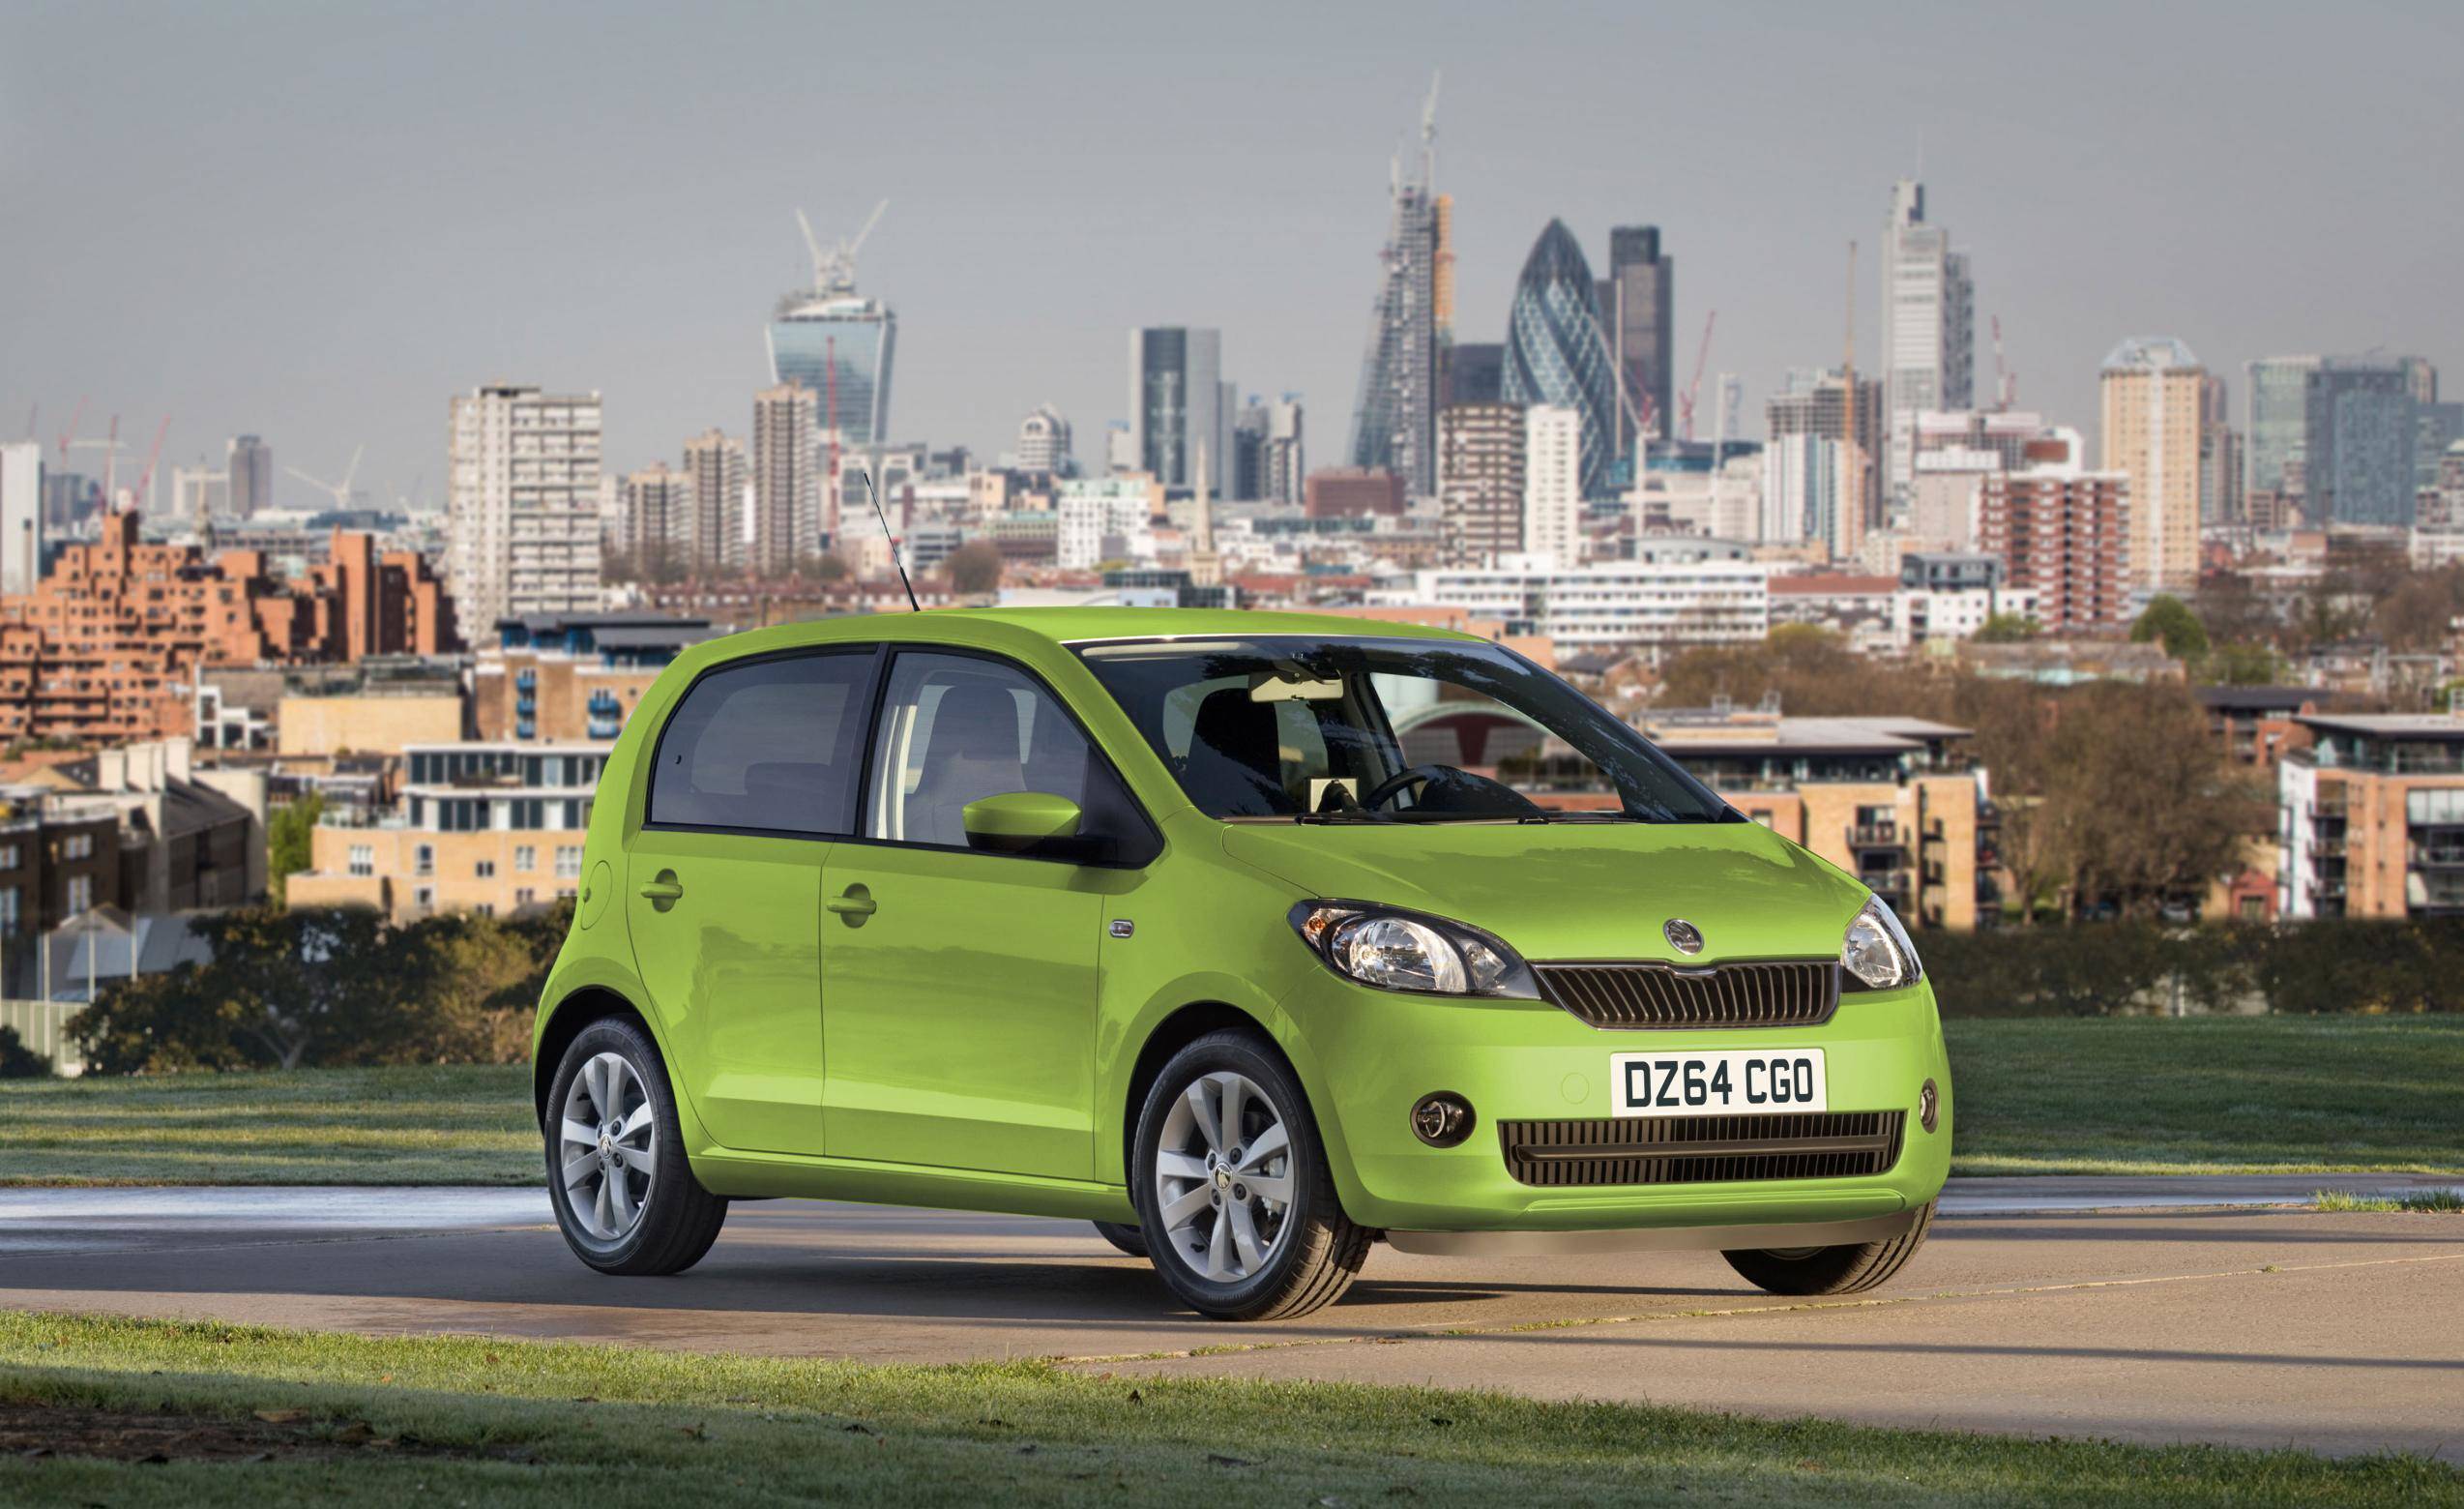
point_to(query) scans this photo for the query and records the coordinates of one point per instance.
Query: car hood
(1561, 891)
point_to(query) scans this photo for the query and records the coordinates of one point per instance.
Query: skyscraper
(2220, 456)
(658, 520)
(1928, 324)
(830, 331)
(715, 462)
(1553, 484)
(20, 516)
(249, 465)
(786, 480)
(1636, 309)
(1814, 464)
(2155, 395)
(1479, 480)
(1395, 414)
(1176, 404)
(523, 523)
(2359, 435)
(1286, 464)
(1555, 352)
(2276, 401)
(1044, 442)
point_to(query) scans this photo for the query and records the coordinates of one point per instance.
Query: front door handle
(855, 905)
(663, 892)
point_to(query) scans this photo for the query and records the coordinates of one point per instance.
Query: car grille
(1839, 1144)
(1794, 993)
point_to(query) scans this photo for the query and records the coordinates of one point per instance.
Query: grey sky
(319, 222)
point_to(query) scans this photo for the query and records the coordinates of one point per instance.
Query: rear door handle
(855, 905)
(663, 890)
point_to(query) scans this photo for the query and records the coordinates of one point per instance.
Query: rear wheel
(624, 1195)
(1127, 1238)
(1236, 1204)
(1831, 1270)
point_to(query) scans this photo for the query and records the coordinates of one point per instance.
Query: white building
(1921, 615)
(523, 517)
(20, 516)
(1105, 518)
(1553, 481)
(1702, 596)
(1043, 441)
(1928, 325)
(1802, 494)
(1724, 505)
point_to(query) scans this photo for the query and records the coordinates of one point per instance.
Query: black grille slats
(1838, 1144)
(1794, 993)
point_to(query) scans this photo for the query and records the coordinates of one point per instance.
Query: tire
(1273, 1259)
(1831, 1270)
(628, 1203)
(1129, 1239)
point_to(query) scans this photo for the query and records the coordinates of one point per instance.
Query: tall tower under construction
(1395, 414)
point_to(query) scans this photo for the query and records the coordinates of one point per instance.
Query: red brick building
(107, 647)
(2065, 535)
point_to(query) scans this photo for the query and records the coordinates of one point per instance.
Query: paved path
(2145, 1318)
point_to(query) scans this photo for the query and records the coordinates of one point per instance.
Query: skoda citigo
(1252, 938)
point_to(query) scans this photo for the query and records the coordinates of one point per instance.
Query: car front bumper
(1369, 1056)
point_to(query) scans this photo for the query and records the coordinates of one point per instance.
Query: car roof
(1082, 625)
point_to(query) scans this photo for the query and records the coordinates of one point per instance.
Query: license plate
(1730, 1084)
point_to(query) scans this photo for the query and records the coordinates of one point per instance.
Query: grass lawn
(2209, 1095)
(2118, 1095)
(263, 1418)
(316, 1126)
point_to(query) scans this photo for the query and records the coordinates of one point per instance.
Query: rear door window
(769, 746)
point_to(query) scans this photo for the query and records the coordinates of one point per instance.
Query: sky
(318, 222)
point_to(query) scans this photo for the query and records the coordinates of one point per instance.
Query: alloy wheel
(605, 1148)
(1223, 1177)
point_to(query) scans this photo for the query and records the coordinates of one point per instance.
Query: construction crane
(2006, 382)
(69, 437)
(111, 448)
(833, 268)
(1694, 388)
(339, 490)
(152, 458)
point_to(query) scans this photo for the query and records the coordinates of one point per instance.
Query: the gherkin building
(1555, 351)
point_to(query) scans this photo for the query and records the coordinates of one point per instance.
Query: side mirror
(1020, 822)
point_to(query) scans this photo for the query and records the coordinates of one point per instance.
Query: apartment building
(2065, 535)
(524, 501)
(1893, 801)
(1480, 479)
(566, 678)
(1678, 596)
(491, 828)
(106, 648)
(2372, 816)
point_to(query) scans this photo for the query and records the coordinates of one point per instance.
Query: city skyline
(329, 286)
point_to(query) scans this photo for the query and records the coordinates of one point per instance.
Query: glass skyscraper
(1555, 352)
(2277, 392)
(812, 333)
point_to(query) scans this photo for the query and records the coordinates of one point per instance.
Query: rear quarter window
(768, 745)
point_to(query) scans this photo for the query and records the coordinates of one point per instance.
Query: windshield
(1388, 730)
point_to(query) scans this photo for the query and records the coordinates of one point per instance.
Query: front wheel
(624, 1197)
(1128, 1239)
(1235, 1199)
(1831, 1270)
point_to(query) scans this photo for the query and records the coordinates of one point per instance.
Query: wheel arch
(1175, 1030)
(566, 1022)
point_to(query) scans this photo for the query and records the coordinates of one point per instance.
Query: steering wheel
(1400, 782)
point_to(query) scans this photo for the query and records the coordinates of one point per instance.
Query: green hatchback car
(1253, 938)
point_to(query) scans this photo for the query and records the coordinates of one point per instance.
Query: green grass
(2209, 1095)
(451, 1420)
(2102, 1095)
(467, 1125)
(2445, 1203)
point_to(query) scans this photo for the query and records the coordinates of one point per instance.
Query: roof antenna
(892, 537)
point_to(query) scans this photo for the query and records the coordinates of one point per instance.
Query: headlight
(1876, 954)
(1408, 951)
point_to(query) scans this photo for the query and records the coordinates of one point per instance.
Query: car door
(962, 985)
(754, 775)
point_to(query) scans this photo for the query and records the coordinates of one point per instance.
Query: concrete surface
(2253, 1326)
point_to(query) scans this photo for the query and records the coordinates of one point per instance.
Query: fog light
(1929, 1107)
(1443, 1119)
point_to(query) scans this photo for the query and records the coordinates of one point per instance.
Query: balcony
(2438, 856)
(1891, 885)
(1873, 836)
(2328, 887)
(2329, 848)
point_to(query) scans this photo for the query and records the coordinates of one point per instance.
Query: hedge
(2118, 969)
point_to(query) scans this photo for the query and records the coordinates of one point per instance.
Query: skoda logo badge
(1682, 936)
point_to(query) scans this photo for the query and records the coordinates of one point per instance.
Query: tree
(290, 840)
(2147, 806)
(2169, 621)
(279, 987)
(2243, 666)
(2007, 629)
(974, 568)
(19, 1061)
